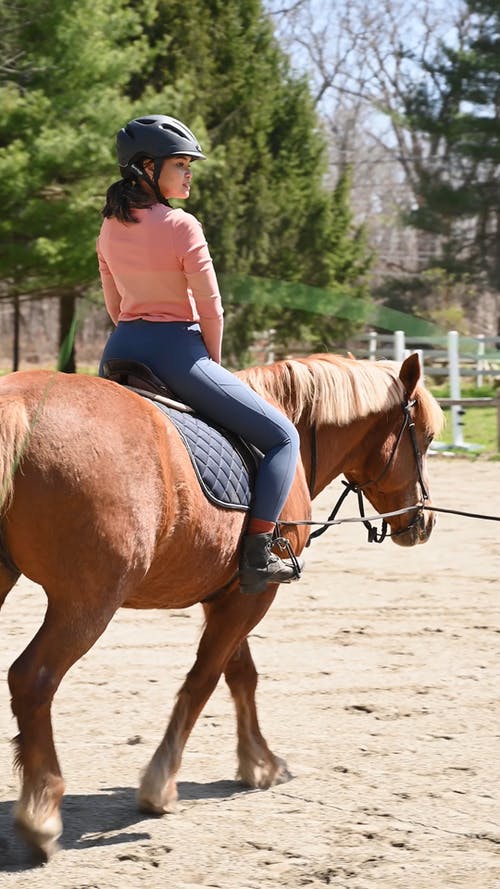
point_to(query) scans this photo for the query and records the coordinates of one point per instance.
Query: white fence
(454, 357)
(475, 357)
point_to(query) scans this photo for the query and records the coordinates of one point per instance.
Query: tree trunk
(16, 331)
(67, 326)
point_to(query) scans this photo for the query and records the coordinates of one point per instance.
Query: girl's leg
(176, 353)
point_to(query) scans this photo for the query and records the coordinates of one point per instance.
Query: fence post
(454, 378)
(480, 360)
(270, 356)
(399, 345)
(497, 399)
(372, 345)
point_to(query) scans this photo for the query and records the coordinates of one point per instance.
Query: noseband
(374, 535)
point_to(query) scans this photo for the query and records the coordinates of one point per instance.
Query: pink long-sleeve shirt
(160, 269)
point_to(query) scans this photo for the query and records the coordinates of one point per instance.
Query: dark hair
(123, 197)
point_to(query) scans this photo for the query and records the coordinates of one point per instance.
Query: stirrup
(284, 544)
(259, 566)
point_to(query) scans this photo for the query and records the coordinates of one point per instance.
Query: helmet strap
(140, 173)
(156, 175)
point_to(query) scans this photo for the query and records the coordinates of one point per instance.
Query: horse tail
(14, 438)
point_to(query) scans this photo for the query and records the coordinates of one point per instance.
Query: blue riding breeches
(176, 353)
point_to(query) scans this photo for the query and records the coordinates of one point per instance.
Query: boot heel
(260, 566)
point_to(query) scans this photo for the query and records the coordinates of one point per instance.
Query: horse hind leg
(229, 619)
(66, 634)
(257, 765)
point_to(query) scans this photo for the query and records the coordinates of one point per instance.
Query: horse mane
(333, 389)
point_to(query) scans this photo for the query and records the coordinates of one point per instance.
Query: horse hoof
(149, 807)
(283, 774)
(263, 776)
(41, 845)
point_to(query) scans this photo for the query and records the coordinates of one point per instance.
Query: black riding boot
(259, 566)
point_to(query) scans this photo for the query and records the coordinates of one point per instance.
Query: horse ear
(410, 373)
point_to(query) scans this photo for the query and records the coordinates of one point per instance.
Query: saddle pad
(225, 464)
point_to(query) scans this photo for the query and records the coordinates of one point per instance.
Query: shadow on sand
(100, 819)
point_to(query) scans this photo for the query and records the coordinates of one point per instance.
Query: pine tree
(457, 106)
(262, 198)
(83, 68)
(61, 97)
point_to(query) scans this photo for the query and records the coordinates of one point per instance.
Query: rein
(374, 535)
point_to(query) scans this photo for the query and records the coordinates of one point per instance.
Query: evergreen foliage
(261, 196)
(61, 93)
(71, 73)
(456, 105)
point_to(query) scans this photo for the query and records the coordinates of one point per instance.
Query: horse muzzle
(418, 530)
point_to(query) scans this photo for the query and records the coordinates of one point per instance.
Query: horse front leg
(257, 765)
(229, 619)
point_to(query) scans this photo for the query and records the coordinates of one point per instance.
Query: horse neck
(331, 450)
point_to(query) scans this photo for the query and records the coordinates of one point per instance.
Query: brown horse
(102, 508)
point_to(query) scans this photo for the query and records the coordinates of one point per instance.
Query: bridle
(374, 535)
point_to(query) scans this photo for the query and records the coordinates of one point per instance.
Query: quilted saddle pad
(224, 463)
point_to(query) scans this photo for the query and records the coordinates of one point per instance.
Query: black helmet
(155, 136)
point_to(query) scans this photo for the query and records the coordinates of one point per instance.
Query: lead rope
(365, 519)
(468, 515)
(374, 535)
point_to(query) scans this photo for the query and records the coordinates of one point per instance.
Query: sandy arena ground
(379, 677)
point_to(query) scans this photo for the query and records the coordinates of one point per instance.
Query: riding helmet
(155, 136)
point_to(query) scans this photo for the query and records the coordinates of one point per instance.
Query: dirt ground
(379, 676)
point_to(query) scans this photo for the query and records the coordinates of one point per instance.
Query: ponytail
(123, 197)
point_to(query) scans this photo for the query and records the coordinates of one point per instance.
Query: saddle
(137, 376)
(224, 463)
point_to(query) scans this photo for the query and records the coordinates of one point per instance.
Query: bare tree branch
(362, 57)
